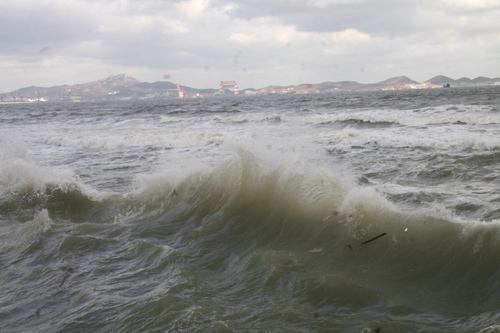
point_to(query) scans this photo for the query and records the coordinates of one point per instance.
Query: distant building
(230, 87)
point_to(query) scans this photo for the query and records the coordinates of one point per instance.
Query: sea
(343, 212)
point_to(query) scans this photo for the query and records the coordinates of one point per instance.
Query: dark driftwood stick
(374, 238)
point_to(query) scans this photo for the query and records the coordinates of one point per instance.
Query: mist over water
(348, 212)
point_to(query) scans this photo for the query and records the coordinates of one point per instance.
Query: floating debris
(374, 238)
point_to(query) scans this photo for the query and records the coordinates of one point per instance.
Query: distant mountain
(440, 80)
(481, 80)
(397, 81)
(463, 81)
(478, 81)
(124, 87)
(394, 83)
(114, 87)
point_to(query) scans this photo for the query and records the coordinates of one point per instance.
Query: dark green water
(372, 212)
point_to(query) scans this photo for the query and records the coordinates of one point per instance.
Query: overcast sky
(256, 42)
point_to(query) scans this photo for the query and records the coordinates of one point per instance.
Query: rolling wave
(331, 227)
(331, 242)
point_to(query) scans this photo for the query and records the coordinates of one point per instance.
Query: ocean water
(348, 212)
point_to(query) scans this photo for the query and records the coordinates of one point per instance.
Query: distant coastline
(124, 87)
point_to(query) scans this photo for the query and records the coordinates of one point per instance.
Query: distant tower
(229, 85)
(180, 91)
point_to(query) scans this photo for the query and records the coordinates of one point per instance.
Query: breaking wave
(315, 212)
(286, 225)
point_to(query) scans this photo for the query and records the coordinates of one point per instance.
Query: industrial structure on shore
(229, 87)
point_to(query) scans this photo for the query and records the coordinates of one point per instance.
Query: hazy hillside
(123, 87)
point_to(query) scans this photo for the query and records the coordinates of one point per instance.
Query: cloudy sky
(256, 42)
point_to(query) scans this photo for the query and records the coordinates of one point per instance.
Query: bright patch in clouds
(192, 9)
(348, 36)
(263, 31)
(473, 4)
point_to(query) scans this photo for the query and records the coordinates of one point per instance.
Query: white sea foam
(19, 172)
(445, 114)
(442, 138)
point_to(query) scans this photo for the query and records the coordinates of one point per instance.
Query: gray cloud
(390, 17)
(26, 26)
(199, 42)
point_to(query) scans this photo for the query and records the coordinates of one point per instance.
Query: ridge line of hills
(125, 87)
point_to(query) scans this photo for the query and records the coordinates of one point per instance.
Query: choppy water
(253, 214)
